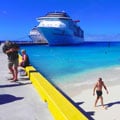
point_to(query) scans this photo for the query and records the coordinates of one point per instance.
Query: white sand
(83, 92)
(112, 100)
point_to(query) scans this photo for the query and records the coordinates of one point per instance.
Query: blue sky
(97, 17)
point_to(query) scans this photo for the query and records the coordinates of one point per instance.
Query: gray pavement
(19, 100)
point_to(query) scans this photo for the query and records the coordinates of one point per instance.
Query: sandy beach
(82, 93)
(111, 101)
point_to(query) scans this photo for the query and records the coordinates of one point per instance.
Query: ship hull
(60, 36)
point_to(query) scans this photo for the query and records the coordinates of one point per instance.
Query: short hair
(99, 78)
(7, 42)
(23, 50)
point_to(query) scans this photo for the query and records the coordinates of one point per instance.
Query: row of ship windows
(52, 25)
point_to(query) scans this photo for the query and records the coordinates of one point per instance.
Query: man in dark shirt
(11, 49)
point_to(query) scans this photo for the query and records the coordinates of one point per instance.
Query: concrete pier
(19, 100)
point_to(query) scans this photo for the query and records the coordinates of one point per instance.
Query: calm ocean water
(56, 63)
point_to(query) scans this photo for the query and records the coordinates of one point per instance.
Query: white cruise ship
(36, 36)
(57, 28)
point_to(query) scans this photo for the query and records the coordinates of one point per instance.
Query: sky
(100, 19)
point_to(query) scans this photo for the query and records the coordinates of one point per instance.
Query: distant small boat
(57, 28)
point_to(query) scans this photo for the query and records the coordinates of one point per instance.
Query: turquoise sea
(58, 63)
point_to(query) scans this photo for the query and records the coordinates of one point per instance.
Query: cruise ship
(36, 36)
(57, 28)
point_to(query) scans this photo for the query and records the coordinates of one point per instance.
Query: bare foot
(13, 80)
(105, 107)
(10, 78)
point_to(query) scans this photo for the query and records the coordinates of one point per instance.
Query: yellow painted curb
(60, 107)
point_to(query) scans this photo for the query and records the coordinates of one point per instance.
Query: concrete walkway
(19, 100)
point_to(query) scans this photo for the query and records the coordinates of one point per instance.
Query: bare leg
(101, 99)
(12, 71)
(15, 73)
(96, 101)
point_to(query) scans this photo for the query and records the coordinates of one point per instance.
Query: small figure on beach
(98, 88)
(11, 50)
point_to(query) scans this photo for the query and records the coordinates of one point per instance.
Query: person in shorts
(11, 49)
(98, 88)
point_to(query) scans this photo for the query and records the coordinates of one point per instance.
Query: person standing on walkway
(98, 88)
(11, 49)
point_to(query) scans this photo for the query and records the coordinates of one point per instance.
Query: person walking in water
(98, 88)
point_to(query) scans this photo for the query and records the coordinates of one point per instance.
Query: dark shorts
(12, 63)
(99, 93)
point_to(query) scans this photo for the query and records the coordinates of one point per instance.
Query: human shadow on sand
(112, 103)
(88, 114)
(7, 98)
